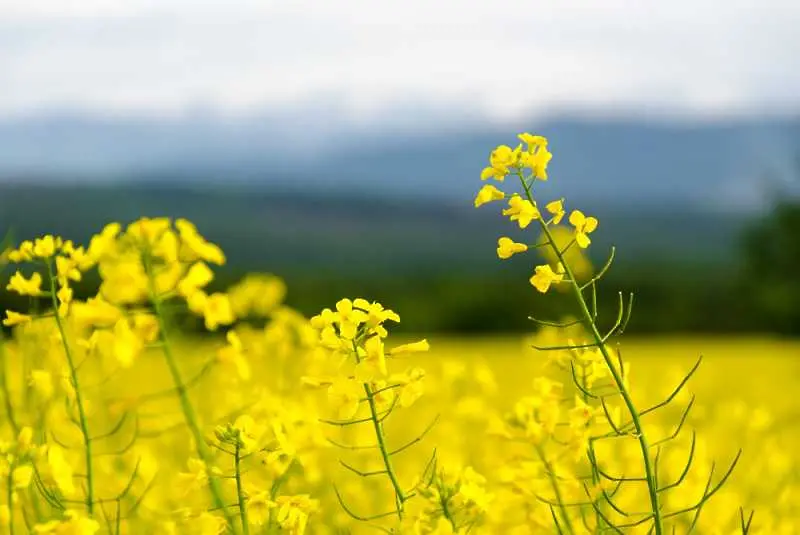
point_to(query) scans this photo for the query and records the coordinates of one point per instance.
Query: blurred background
(339, 145)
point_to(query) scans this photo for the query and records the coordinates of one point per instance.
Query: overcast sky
(495, 58)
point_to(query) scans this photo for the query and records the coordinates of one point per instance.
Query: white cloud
(500, 58)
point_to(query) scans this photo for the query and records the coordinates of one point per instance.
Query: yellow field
(745, 390)
(117, 421)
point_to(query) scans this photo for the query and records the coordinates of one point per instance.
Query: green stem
(387, 461)
(446, 512)
(203, 451)
(589, 323)
(10, 498)
(556, 490)
(237, 458)
(380, 435)
(82, 420)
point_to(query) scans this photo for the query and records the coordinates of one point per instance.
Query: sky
(366, 59)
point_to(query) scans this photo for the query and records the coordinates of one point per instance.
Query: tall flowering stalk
(528, 163)
(363, 392)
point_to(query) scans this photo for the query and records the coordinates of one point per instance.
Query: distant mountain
(718, 166)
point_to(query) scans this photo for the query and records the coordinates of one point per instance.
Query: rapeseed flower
(557, 209)
(15, 318)
(506, 247)
(501, 161)
(487, 194)
(31, 287)
(521, 210)
(583, 226)
(545, 276)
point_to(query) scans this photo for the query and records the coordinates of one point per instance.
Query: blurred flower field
(118, 420)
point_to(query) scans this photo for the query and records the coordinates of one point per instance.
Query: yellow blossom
(536, 158)
(22, 476)
(60, 469)
(583, 226)
(15, 318)
(195, 247)
(506, 247)
(373, 361)
(501, 160)
(67, 270)
(293, 512)
(197, 278)
(215, 308)
(64, 295)
(46, 246)
(415, 347)
(233, 355)
(349, 318)
(487, 194)
(345, 397)
(127, 345)
(103, 244)
(411, 386)
(259, 505)
(19, 284)
(557, 209)
(521, 210)
(95, 312)
(545, 276)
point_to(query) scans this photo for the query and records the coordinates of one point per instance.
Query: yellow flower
(64, 298)
(521, 210)
(22, 476)
(414, 347)
(488, 193)
(258, 507)
(376, 315)
(148, 231)
(60, 469)
(411, 386)
(373, 362)
(233, 355)
(197, 278)
(215, 308)
(581, 415)
(95, 312)
(349, 318)
(293, 512)
(532, 141)
(345, 397)
(46, 246)
(19, 284)
(103, 244)
(66, 270)
(127, 345)
(557, 209)
(583, 226)
(15, 318)
(124, 280)
(506, 247)
(206, 524)
(545, 276)
(500, 161)
(195, 247)
(23, 254)
(74, 523)
(536, 159)
(194, 478)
